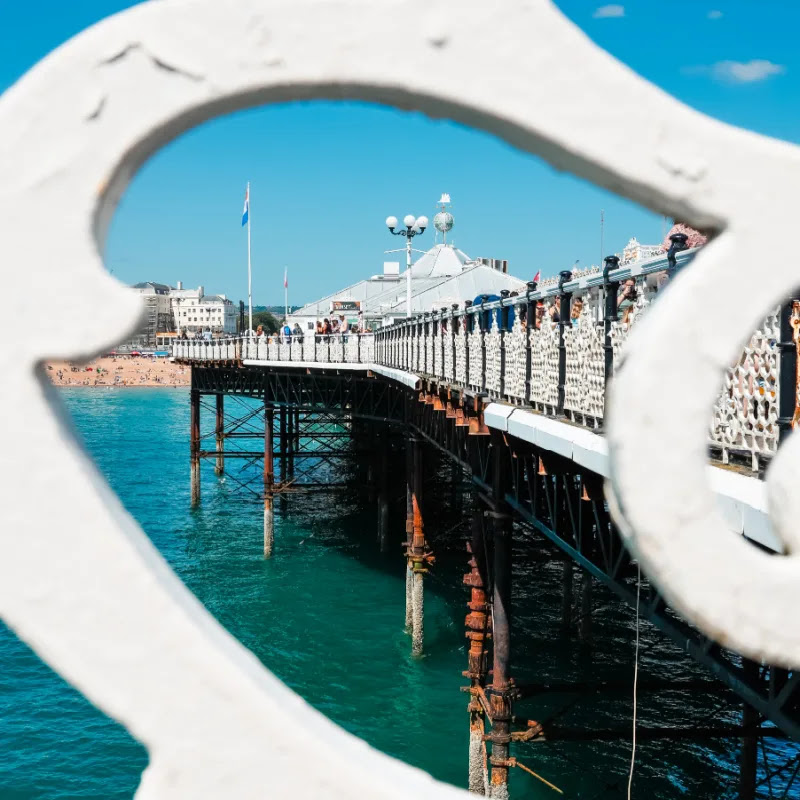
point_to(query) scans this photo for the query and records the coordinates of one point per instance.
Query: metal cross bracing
(309, 461)
(569, 508)
(330, 390)
(544, 495)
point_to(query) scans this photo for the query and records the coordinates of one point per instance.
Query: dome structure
(443, 221)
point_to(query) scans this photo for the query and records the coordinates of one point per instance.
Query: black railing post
(469, 321)
(453, 322)
(563, 320)
(679, 242)
(484, 326)
(504, 317)
(611, 289)
(787, 370)
(530, 318)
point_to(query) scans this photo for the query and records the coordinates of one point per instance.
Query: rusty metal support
(477, 624)
(502, 688)
(409, 535)
(417, 555)
(194, 444)
(219, 431)
(269, 482)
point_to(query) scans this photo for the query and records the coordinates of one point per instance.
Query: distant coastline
(119, 372)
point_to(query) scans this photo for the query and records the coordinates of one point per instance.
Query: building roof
(441, 276)
(159, 288)
(214, 298)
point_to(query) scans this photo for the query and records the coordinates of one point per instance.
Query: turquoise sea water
(326, 615)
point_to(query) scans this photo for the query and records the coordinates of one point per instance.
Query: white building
(194, 311)
(440, 277)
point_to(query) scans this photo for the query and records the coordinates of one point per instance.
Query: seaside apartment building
(193, 311)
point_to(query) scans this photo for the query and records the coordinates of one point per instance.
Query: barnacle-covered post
(500, 695)
(417, 556)
(478, 625)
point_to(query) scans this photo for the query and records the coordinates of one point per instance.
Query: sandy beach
(122, 371)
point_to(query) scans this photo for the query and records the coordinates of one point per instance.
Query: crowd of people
(119, 370)
(324, 327)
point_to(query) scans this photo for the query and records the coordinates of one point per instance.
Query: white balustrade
(584, 380)
(493, 343)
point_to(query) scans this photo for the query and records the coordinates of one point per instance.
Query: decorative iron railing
(519, 351)
(347, 348)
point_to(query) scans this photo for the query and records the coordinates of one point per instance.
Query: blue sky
(325, 175)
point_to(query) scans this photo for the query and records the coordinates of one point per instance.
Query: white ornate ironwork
(475, 355)
(336, 351)
(351, 349)
(428, 368)
(493, 342)
(516, 359)
(584, 383)
(544, 366)
(447, 348)
(367, 349)
(309, 348)
(284, 351)
(437, 327)
(745, 417)
(461, 350)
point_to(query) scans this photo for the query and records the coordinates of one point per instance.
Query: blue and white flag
(246, 212)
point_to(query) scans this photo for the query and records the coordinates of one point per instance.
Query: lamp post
(413, 227)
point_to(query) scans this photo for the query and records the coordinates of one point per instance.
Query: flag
(537, 276)
(285, 277)
(246, 212)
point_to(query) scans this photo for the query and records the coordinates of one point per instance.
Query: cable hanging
(635, 678)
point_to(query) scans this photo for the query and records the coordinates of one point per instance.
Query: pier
(516, 406)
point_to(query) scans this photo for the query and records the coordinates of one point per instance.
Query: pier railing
(342, 348)
(517, 351)
(514, 350)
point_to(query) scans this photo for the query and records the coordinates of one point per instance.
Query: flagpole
(286, 291)
(249, 271)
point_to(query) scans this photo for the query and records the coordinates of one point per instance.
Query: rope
(515, 763)
(635, 678)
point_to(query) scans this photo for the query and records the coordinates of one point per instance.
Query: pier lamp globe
(414, 226)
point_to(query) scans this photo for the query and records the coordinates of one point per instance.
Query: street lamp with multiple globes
(413, 227)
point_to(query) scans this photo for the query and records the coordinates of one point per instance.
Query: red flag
(537, 276)
(286, 278)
